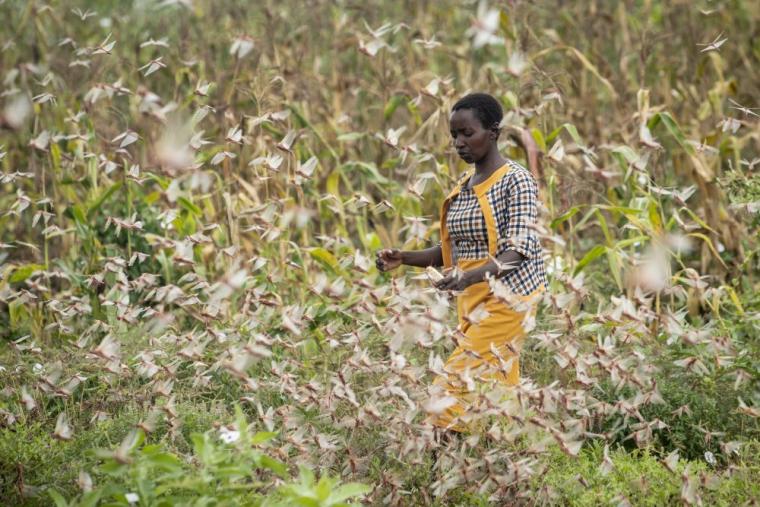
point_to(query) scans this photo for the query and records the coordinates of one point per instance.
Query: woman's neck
(489, 163)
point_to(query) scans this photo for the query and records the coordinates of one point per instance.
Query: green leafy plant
(224, 469)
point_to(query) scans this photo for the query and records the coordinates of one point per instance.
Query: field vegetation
(192, 194)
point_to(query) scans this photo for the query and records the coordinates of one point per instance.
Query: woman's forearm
(509, 261)
(423, 258)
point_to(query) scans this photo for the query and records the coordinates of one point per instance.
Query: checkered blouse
(513, 201)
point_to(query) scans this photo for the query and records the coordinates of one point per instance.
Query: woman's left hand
(455, 281)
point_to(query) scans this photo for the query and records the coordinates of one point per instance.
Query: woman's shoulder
(464, 178)
(516, 166)
(518, 171)
(517, 176)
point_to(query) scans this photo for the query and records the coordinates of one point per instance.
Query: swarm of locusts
(187, 224)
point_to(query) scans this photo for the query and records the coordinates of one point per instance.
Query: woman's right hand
(388, 259)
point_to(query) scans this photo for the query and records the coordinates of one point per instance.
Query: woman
(486, 229)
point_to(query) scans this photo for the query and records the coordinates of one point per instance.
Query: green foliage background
(645, 138)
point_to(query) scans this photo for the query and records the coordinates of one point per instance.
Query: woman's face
(471, 140)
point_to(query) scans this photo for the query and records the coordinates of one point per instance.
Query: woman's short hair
(486, 108)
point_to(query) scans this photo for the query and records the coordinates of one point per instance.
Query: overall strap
(481, 191)
(445, 238)
(493, 233)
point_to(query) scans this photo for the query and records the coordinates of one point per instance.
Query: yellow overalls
(503, 325)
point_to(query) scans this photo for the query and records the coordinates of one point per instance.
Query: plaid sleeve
(520, 214)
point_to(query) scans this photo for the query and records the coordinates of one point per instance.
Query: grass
(640, 478)
(166, 280)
